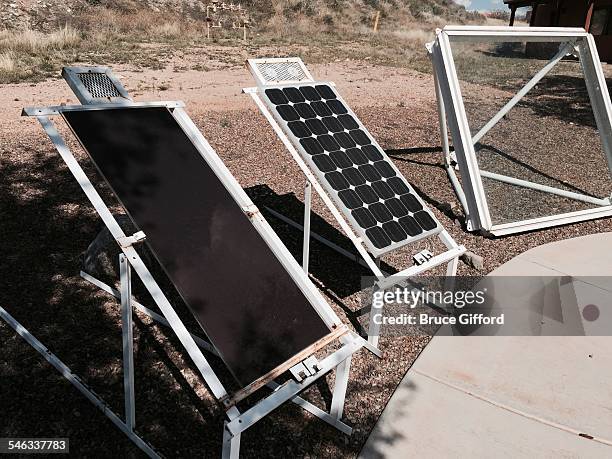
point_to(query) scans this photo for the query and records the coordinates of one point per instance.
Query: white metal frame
(453, 117)
(364, 254)
(237, 422)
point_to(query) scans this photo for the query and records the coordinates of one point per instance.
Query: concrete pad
(559, 379)
(582, 257)
(430, 419)
(513, 396)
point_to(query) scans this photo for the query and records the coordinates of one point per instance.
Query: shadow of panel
(335, 271)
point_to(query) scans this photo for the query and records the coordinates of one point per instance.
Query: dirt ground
(46, 223)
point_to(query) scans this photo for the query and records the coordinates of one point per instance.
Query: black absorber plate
(250, 308)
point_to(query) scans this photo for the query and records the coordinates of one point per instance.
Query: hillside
(49, 14)
(40, 36)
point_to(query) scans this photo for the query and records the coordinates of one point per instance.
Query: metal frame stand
(238, 423)
(127, 426)
(129, 259)
(363, 257)
(452, 113)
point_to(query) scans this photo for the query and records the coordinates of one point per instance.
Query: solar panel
(251, 309)
(374, 196)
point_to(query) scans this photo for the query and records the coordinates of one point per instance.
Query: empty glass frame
(530, 120)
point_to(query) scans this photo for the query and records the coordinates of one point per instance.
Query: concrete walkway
(508, 396)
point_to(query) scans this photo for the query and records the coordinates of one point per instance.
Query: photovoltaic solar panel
(251, 309)
(374, 196)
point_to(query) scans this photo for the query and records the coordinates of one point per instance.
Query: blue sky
(482, 5)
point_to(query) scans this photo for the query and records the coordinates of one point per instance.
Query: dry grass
(319, 29)
(7, 62)
(169, 30)
(105, 38)
(33, 42)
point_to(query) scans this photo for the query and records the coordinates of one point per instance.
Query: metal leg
(73, 379)
(307, 206)
(350, 255)
(128, 341)
(373, 327)
(316, 411)
(231, 444)
(451, 272)
(290, 389)
(152, 314)
(451, 268)
(342, 377)
(446, 148)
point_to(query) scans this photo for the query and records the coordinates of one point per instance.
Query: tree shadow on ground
(46, 225)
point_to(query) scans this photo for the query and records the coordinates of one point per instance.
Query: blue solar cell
(367, 194)
(287, 113)
(324, 163)
(325, 91)
(350, 199)
(410, 225)
(312, 146)
(394, 231)
(337, 181)
(310, 93)
(293, 95)
(299, 129)
(364, 217)
(305, 111)
(357, 156)
(276, 96)
(332, 124)
(378, 237)
(321, 108)
(348, 122)
(316, 126)
(341, 159)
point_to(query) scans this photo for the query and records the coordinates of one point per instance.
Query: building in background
(594, 15)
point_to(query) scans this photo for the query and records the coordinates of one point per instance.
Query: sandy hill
(49, 14)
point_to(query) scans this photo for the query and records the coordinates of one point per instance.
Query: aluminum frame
(338, 360)
(453, 117)
(450, 257)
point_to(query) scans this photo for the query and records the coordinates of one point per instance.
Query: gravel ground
(46, 224)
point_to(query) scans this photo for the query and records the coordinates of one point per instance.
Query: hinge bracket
(422, 257)
(135, 238)
(306, 368)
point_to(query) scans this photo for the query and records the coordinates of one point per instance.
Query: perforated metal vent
(99, 85)
(282, 71)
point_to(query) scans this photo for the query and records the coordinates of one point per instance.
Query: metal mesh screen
(282, 71)
(99, 85)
